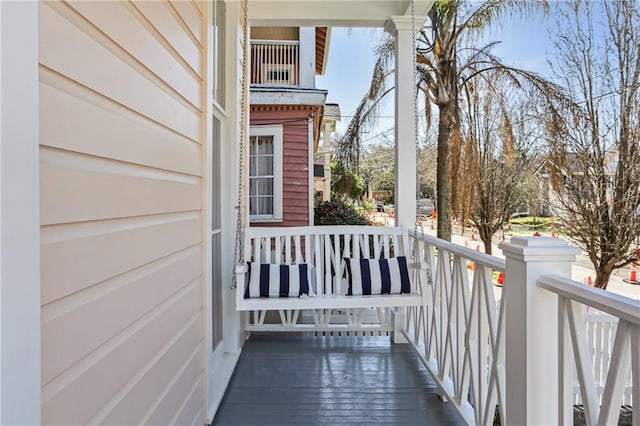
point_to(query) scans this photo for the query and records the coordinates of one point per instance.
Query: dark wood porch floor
(295, 380)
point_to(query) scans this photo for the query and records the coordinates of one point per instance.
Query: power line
(374, 116)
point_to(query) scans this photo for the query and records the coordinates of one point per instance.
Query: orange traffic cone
(589, 281)
(537, 234)
(553, 233)
(500, 280)
(633, 277)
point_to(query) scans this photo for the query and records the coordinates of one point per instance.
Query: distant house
(287, 118)
(322, 157)
(546, 201)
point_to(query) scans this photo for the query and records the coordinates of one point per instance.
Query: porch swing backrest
(324, 250)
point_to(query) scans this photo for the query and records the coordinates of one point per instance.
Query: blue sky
(524, 43)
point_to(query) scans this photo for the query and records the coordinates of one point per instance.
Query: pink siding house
(286, 113)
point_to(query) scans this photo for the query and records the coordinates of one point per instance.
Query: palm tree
(447, 60)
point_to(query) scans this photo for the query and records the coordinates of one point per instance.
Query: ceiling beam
(332, 13)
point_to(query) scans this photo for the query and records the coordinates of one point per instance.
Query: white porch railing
(605, 378)
(600, 332)
(466, 342)
(275, 62)
(460, 332)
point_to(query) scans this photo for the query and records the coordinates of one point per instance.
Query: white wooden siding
(121, 154)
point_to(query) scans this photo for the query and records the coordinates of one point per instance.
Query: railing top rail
(480, 258)
(278, 42)
(611, 303)
(324, 229)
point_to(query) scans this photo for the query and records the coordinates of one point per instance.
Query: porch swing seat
(326, 267)
(323, 269)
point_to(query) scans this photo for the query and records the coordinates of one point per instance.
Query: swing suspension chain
(414, 40)
(415, 118)
(418, 225)
(239, 238)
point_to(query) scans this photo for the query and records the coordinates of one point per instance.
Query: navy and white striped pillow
(377, 276)
(267, 280)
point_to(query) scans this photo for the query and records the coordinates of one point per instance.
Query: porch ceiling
(336, 13)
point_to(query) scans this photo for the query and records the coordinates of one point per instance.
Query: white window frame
(276, 132)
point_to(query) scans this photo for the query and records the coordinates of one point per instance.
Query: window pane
(265, 165)
(215, 175)
(264, 186)
(216, 284)
(265, 205)
(268, 205)
(261, 176)
(265, 145)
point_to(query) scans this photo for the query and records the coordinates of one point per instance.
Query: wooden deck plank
(301, 380)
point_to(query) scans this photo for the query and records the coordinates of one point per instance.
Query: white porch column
(229, 153)
(308, 57)
(20, 397)
(326, 160)
(531, 334)
(405, 131)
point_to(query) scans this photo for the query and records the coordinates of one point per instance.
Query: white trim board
(20, 353)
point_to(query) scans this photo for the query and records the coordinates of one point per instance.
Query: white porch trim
(335, 13)
(310, 163)
(287, 96)
(20, 339)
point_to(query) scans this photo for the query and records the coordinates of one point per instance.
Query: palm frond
(492, 11)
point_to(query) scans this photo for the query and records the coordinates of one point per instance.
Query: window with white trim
(265, 173)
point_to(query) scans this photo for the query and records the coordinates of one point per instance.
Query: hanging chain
(416, 112)
(418, 225)
(414, 66)
(238, 250)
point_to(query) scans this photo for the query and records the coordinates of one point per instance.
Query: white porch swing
(321, 278)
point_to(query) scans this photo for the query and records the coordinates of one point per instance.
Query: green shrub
(368, 205)
(345, 182)
(337, 213)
